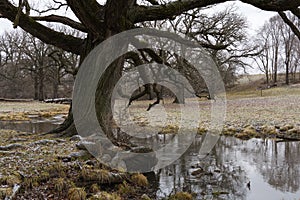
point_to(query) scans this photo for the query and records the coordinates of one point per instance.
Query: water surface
(35, 125)
(273, 170)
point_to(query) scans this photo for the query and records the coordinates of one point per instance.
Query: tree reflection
(281, 166)
(226, 169)
(218, 173)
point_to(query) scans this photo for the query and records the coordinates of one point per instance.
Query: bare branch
(290, 24)
(59, 6)
(274, 5)
(61, 19)
(47, 35)
(153, 2)
(90, 13)
(296, 11)
(243, 55)
(175, 8)
(169, 10)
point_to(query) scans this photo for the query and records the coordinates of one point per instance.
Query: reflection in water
(272, 169)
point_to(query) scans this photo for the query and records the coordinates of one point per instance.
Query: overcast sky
(255, 17)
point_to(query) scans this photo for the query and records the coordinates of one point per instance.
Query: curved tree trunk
(67, 128)
(115, 22)
(103, 97)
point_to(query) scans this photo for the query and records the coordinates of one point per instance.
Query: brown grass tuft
(140, 180)
(76, 194)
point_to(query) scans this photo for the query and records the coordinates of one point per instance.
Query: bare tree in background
(279, 47)
(38, 65)
(263, 59)
(223, 34)
(10, 64)
(103, 21)
(274, 29)
(288, 39)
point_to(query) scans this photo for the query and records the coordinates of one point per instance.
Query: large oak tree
(103, 21)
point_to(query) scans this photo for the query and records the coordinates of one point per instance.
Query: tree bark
(36, 86)
(276, 64)
(103, 97)
(267, 77)
(115, 22)
(55, 90)
(41, 83)
(287, 65)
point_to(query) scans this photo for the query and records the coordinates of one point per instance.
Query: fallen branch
(16, 100)
(58, 100)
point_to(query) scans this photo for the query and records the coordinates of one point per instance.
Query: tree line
(102, 20)
(43, 69)
(30, 68)
(280, 49)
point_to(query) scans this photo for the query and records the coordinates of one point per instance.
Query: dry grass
(140, 180)
(76, 194)
(126, 189)
(271, 92)
(181, 196)
(100, 175)
(278, 107)
(20, 111)
(105, 196)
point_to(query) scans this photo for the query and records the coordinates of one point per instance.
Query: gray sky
(255, 16)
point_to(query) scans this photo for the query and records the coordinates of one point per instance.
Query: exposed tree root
(67, 127)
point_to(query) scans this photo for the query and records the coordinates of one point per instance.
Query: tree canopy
(99, 20)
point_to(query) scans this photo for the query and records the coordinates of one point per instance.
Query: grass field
(23, 110)
(41, 159)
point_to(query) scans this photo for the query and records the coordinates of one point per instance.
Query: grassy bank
(16, 111)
